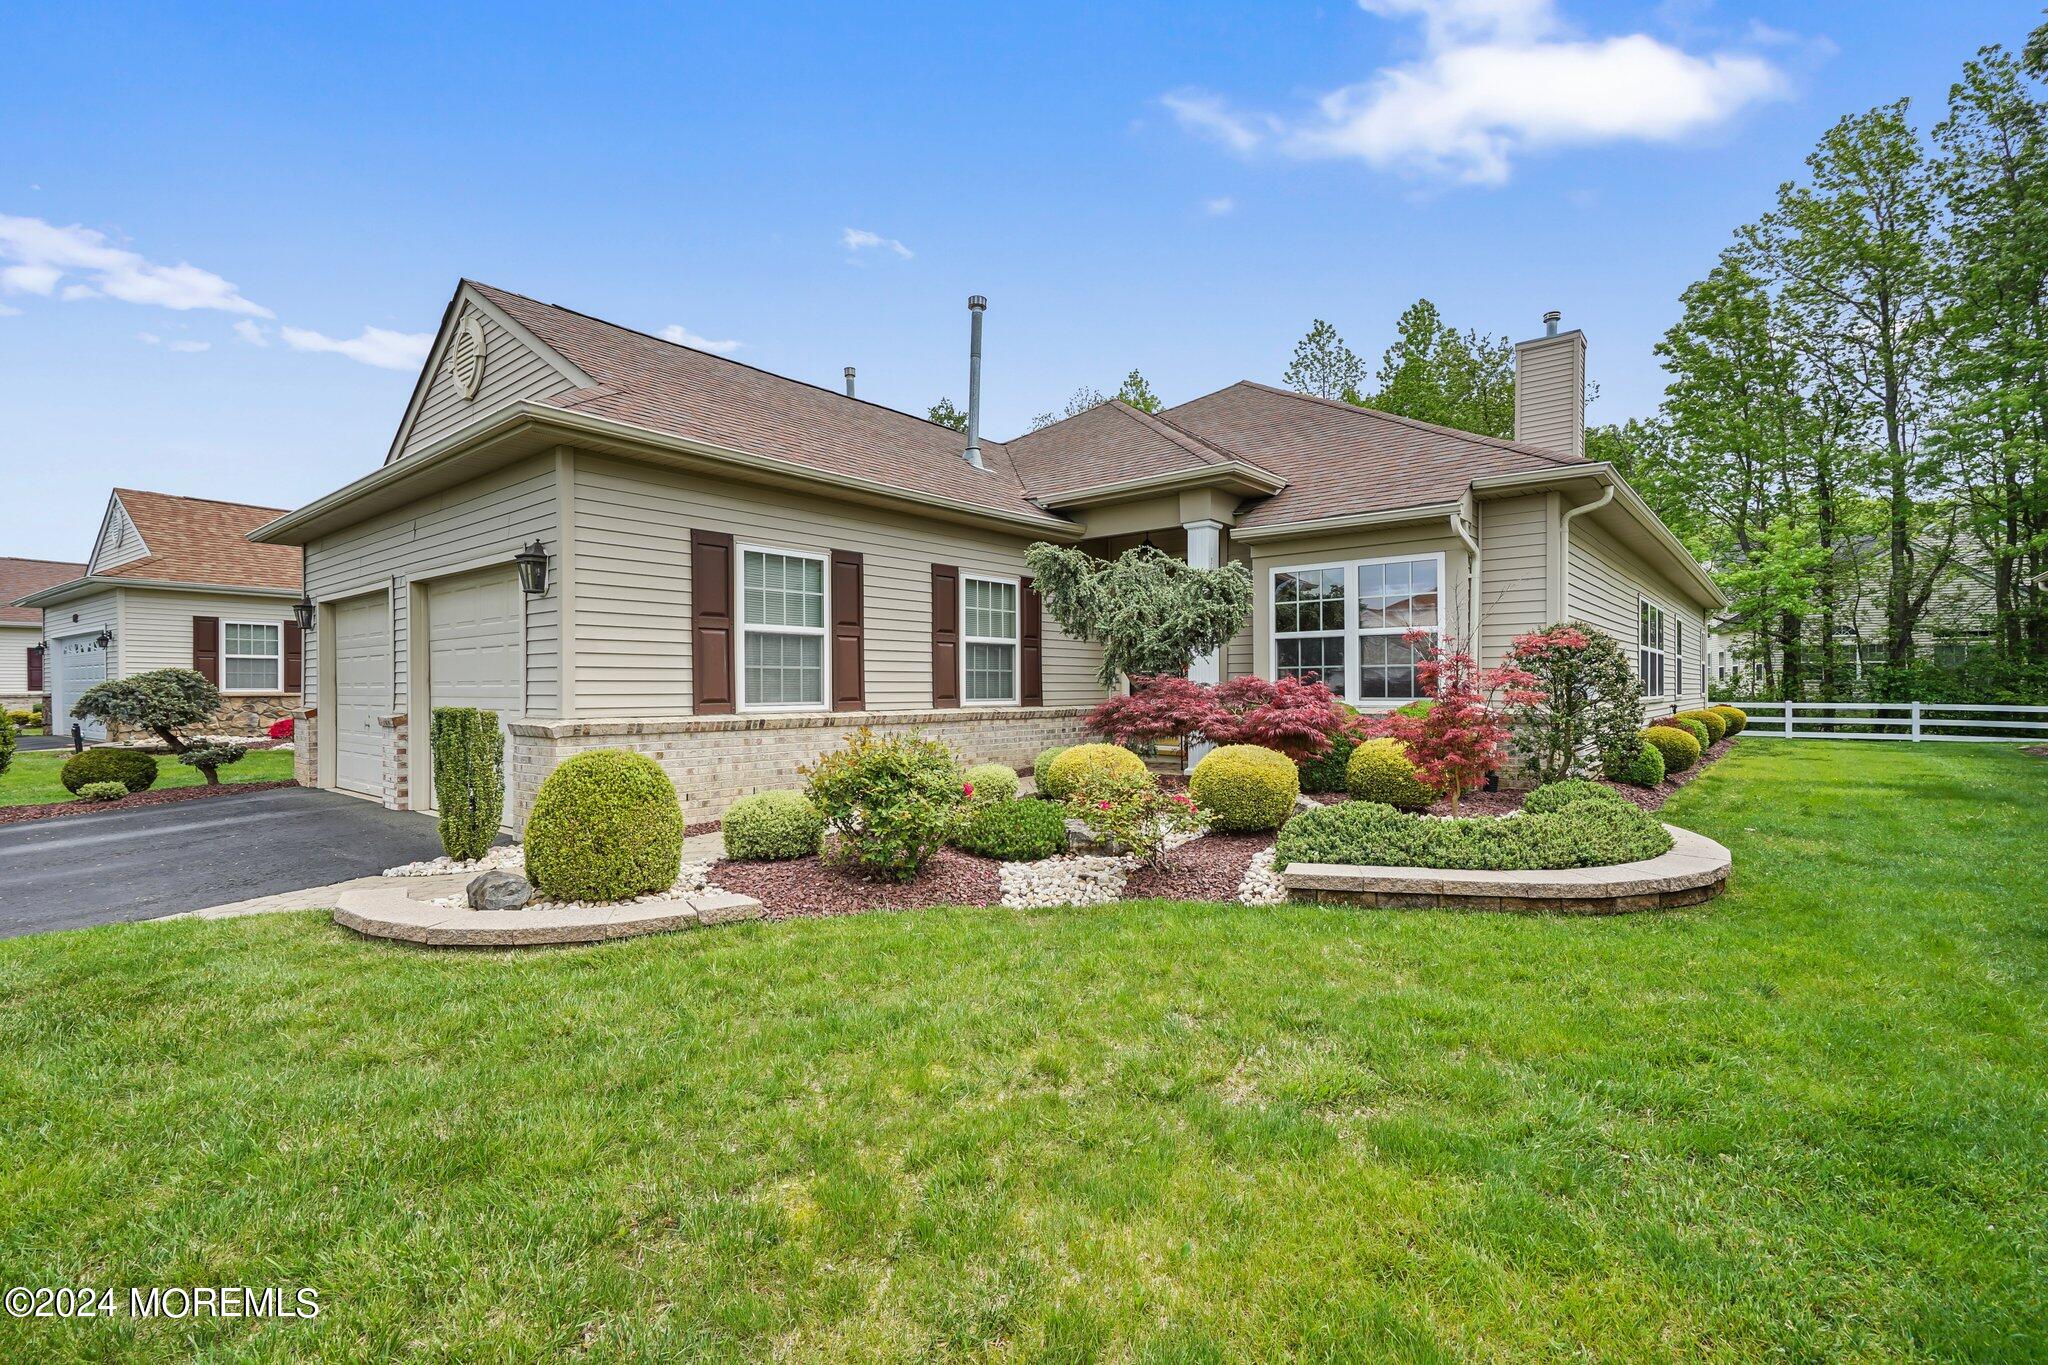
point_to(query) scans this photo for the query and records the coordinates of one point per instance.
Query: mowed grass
(31, 780)
(1808, 1120)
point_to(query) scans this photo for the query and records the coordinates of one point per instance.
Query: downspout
(1461, 523)
(1564, 563)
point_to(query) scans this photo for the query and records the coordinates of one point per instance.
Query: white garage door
(476, 647)
(78, 662)
(362, 691)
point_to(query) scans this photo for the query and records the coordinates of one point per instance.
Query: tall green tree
(1138, 393)
(1078, 402)
(1323, 365)
(946, 415)
(1434, 373)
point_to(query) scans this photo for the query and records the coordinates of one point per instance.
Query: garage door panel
(476, 643)
(362, 691)
(78, 662)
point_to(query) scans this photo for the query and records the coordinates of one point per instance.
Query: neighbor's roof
(20, 577)
(1108, 444)
(198, 540)
(1343, 460)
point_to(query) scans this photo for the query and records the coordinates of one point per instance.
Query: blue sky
(1181, 188)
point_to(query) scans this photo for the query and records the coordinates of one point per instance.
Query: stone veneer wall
(305, 753)
(715, 760)
(248, 717)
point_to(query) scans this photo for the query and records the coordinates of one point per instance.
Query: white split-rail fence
(1915, 721)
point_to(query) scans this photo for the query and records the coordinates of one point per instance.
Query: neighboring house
(175, 583)
(21, 628)
(731, 570)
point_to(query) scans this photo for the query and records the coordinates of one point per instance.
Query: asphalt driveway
(159, 860)
(31, 743)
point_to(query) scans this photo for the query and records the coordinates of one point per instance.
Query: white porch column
(1205, 551)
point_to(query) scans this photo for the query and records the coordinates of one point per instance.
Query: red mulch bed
(171, 796)
(1206, 869)
(799, 887)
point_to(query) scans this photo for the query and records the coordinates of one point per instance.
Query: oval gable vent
(466, 357)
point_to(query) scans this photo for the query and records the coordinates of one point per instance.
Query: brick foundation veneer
(715, 760)
(305, 747)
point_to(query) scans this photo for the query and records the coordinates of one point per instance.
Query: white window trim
(740, 629)
(1351, 632)
(1661, 650)
(226, 691)
(1016, 641)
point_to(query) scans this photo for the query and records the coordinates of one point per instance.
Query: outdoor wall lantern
(106, 637)
(533, 569)
(304, 612)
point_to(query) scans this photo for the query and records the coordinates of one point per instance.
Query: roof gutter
(1234, 475)
(573, 424)
(1439, 511)
(1623, 496)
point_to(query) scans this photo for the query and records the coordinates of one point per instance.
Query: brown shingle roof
(198, 540)
(1110, 443)
(1341, 460)
(649, 382)
(20, 577)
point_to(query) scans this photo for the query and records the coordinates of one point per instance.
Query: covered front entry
(476, 650)
(362, 691)
(76, 662)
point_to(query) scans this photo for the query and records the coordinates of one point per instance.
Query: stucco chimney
(1550, 390)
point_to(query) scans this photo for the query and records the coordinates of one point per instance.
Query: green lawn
(31, 780)
(1808, 1120)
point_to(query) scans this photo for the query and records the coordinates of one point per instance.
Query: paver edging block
(1694, 871)
(393, 913)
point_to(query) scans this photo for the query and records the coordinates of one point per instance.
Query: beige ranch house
(21, 628)
(729, 570)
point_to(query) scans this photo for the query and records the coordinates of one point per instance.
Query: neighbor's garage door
(362, 691)
(476, 650)
(77, 662)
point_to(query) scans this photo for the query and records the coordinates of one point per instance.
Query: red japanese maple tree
(1464, 736)
(1290, 715)
(1166, 706)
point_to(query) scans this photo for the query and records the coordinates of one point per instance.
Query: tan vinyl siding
(1238, 654)
(1514, 571)
(471, 526)
(15, 643)
(1550, 393)
(513, 371)
(100, 609)
(1349, 547)
(156, 628)
(120, 544)
(1605, 584)
(632, 607)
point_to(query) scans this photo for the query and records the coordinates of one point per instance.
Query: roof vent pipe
(976, 306)
(1550, 321)
(849, 381)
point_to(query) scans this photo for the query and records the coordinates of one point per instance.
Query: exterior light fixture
(533, 569)
(306, 614)
(106, 637)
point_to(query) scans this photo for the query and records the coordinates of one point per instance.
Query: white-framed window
(782, 655)
(988, 639)
(1650, 651)
(1678, 657)
(251, 656)
(1343, 624)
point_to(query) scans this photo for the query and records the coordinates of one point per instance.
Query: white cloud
(683, 336)
(1499, 78)
(859, 239)
(251, 332)
(378, 346)
(1220, 206)
(7, 312)
(182, 347)
(40, 254)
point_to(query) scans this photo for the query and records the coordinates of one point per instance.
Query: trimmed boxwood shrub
(772, 825)
(1381, 770)
(1737, 718)
(1644, 769)
(606, 825)
(1326, 772)
(1557, 795)
(1043, 762)
(1690, 726)
(134, 770)
(1012, 831)
(1245, 787)
(6, 742)
(1580, 834)
(102, 791)
(469, 779)
(1073, 767)
(1715, 723)
(1679, 749)
(991, 782)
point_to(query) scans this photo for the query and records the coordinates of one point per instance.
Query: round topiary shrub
(1246, 787)
(1381, 770)
(606, 825)
(1557, 795)
(1737, 718)
(1678, 748)
(990, 782)
(1065, 774)
(1043, 763)
(772, 825)
(102, 791)
(1012, 831)
(134, 770)
(1645, 768)
(1690, 726)
(1717, 724)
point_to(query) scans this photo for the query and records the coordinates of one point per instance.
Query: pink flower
(1184, 798)
(967, 789)
(1102, 805)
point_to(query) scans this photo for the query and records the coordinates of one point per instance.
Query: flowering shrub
(988, 782)
(1295, 717)
(890, 801)
(1589, 708)
(1463, 737)
(1135, 814)
(281, 728)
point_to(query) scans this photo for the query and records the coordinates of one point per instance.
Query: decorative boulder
(499, 890)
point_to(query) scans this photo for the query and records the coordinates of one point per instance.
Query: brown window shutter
(945, 635)
(849, 634)
(206, 648)
(711, 622)
(294, 657)
(1031, 650)
(35, 668)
